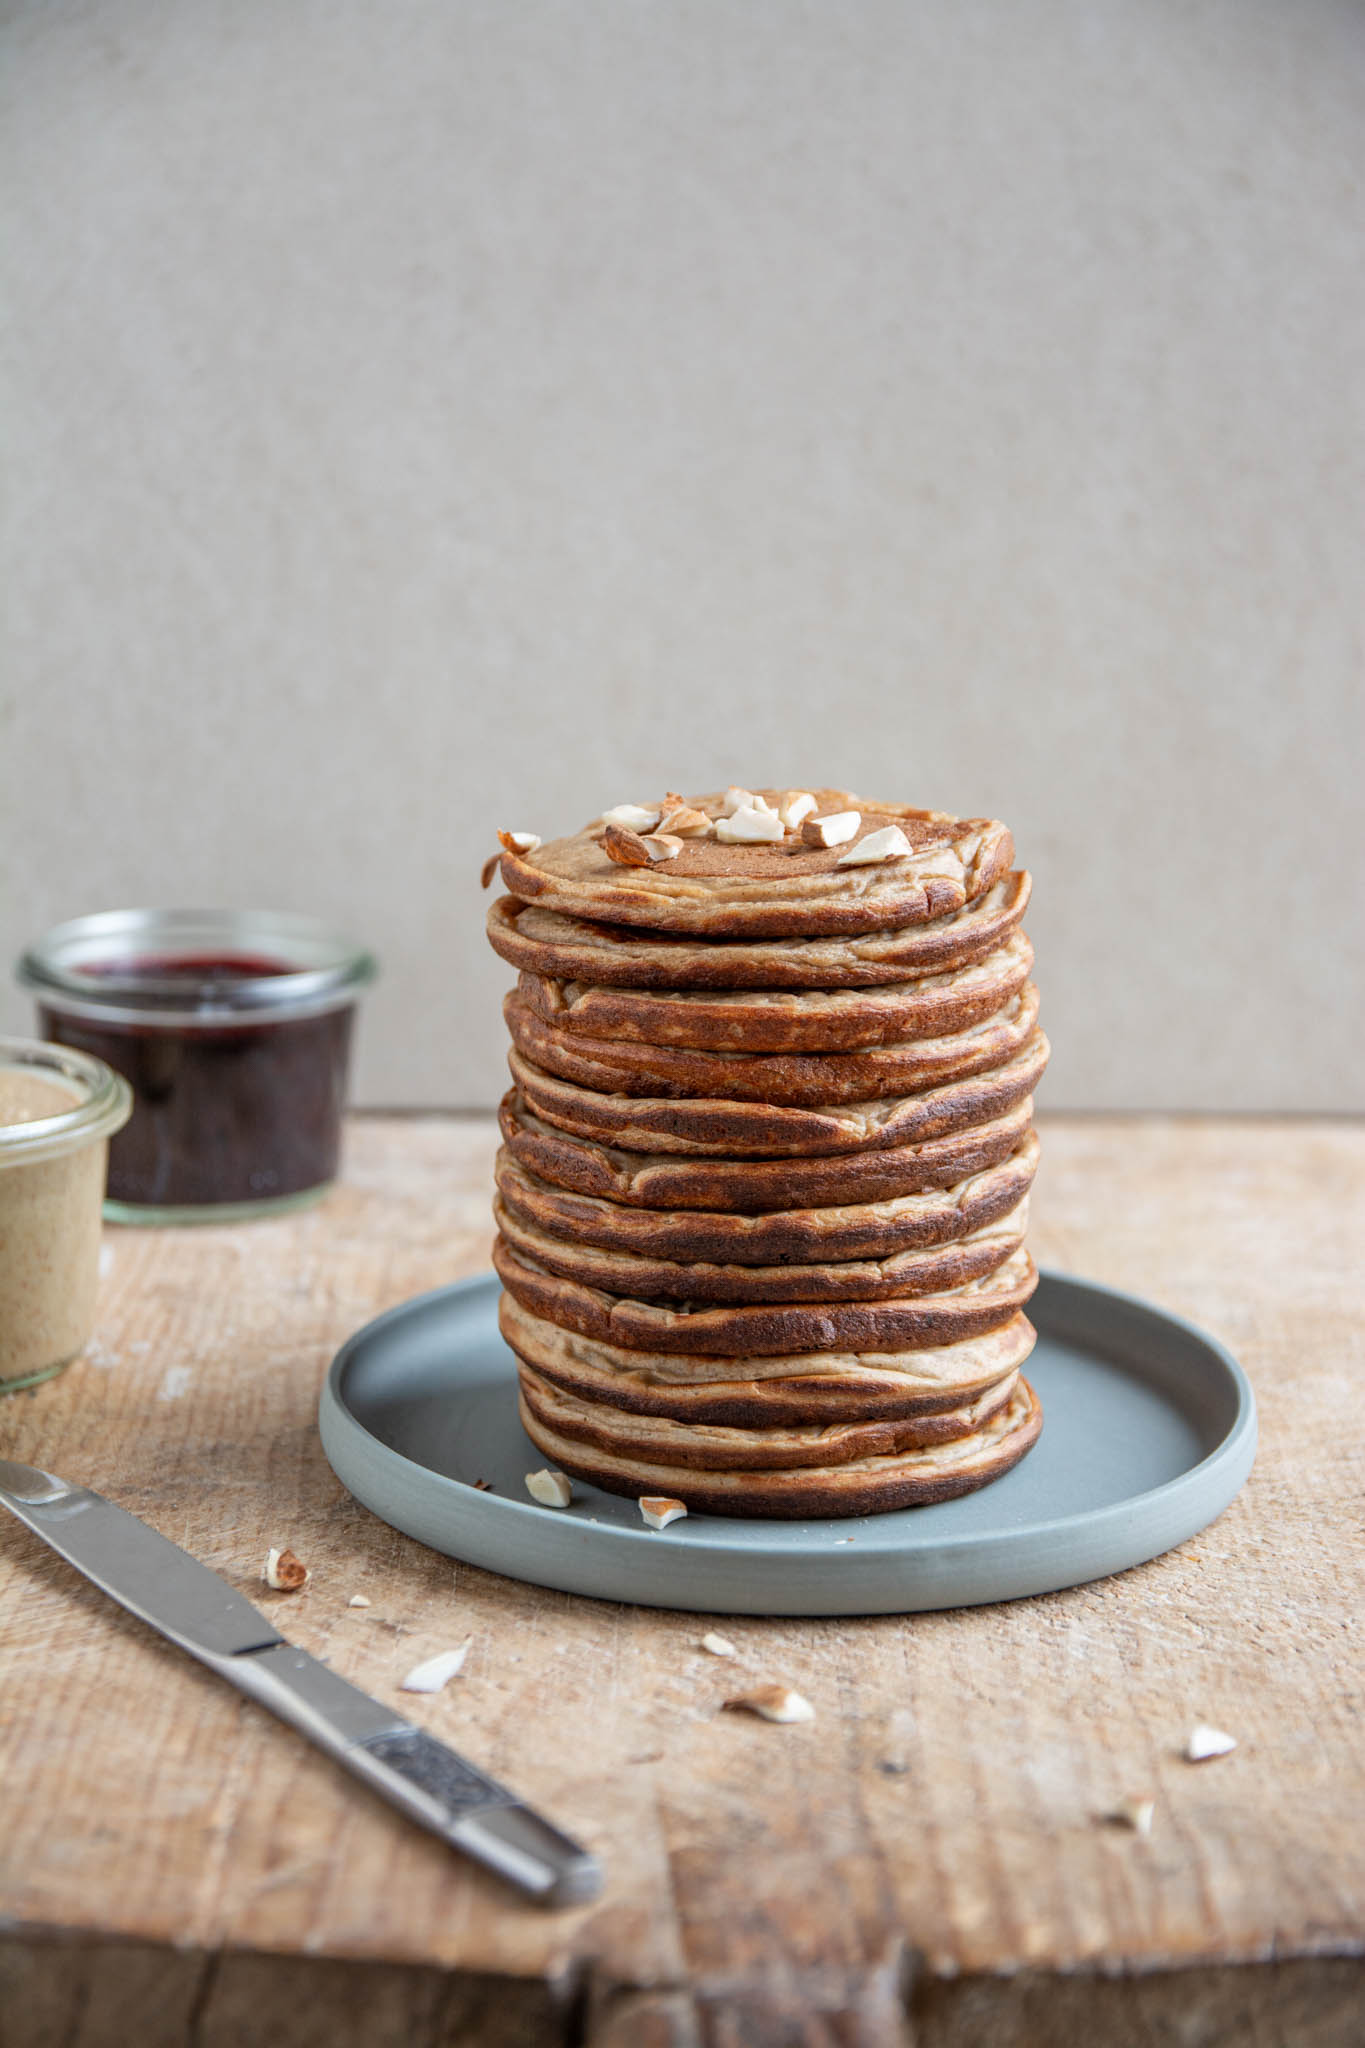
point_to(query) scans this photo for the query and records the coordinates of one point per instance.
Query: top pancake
(721, 891)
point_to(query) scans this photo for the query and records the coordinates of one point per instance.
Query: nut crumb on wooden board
(283, 1572)
(155, 1807)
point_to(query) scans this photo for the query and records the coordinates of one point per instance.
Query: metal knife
(191, 1606)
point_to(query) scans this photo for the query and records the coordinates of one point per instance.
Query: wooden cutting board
(928, 1861)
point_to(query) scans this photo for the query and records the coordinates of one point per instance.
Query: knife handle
(476, 1814)
(419, 1775)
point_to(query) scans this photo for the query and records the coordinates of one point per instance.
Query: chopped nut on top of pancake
(633, 817)
(750, 826)
(519, 842)
(679, 817)
(625, 847)
(737, 800)
(795, 807)
(662, 845)
(888, 844)
(834, 830)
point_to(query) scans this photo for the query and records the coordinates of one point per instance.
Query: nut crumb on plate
(359, 1600)
(550, 1488)
(658, 1510)
(717, 1645)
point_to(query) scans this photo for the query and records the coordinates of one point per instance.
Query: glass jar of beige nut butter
(58, 1110)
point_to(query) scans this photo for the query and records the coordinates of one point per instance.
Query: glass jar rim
(105, 1105)
(320, 968)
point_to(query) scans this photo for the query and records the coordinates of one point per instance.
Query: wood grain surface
(927, 1862)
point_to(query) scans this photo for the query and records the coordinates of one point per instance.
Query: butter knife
(191, 1606)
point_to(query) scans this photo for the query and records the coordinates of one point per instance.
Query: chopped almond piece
(659, 1510)
(1137, 1814)
(772, 1703)
(436, 1673)
(835, 830)
(662, 846)
(632, 817)
(687, 823)
(628, 849)
(284, 1572)
(519, 842)
(888, 844)
(550, 1488)
(1204, 1742)
(751, 827)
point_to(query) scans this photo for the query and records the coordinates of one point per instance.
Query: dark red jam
(224, 1112)
(209, 967)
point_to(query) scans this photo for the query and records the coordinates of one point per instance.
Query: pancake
(900, 1323)
(791, 1388)
(862, 1486)
(545, 941)
(927, 1271)
(855, 1231)
(760, 1130)
(779, 1021)
(626, 1067)
(717, 890)
(722, 1447)
(658, 1180)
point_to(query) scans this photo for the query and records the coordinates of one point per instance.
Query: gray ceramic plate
(1149, 1429)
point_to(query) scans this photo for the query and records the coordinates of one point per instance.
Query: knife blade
(192, 1607)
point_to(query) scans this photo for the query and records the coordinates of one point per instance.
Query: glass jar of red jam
(233, 1030)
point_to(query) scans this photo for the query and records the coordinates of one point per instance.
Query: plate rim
(1237, 1443)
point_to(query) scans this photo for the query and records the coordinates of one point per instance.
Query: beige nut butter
(57, 1110)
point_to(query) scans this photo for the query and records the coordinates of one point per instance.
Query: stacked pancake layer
(763, 1188)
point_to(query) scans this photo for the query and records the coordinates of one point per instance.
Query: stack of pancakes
(764, 1182)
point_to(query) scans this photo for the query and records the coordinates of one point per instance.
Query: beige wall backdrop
(425, 417)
